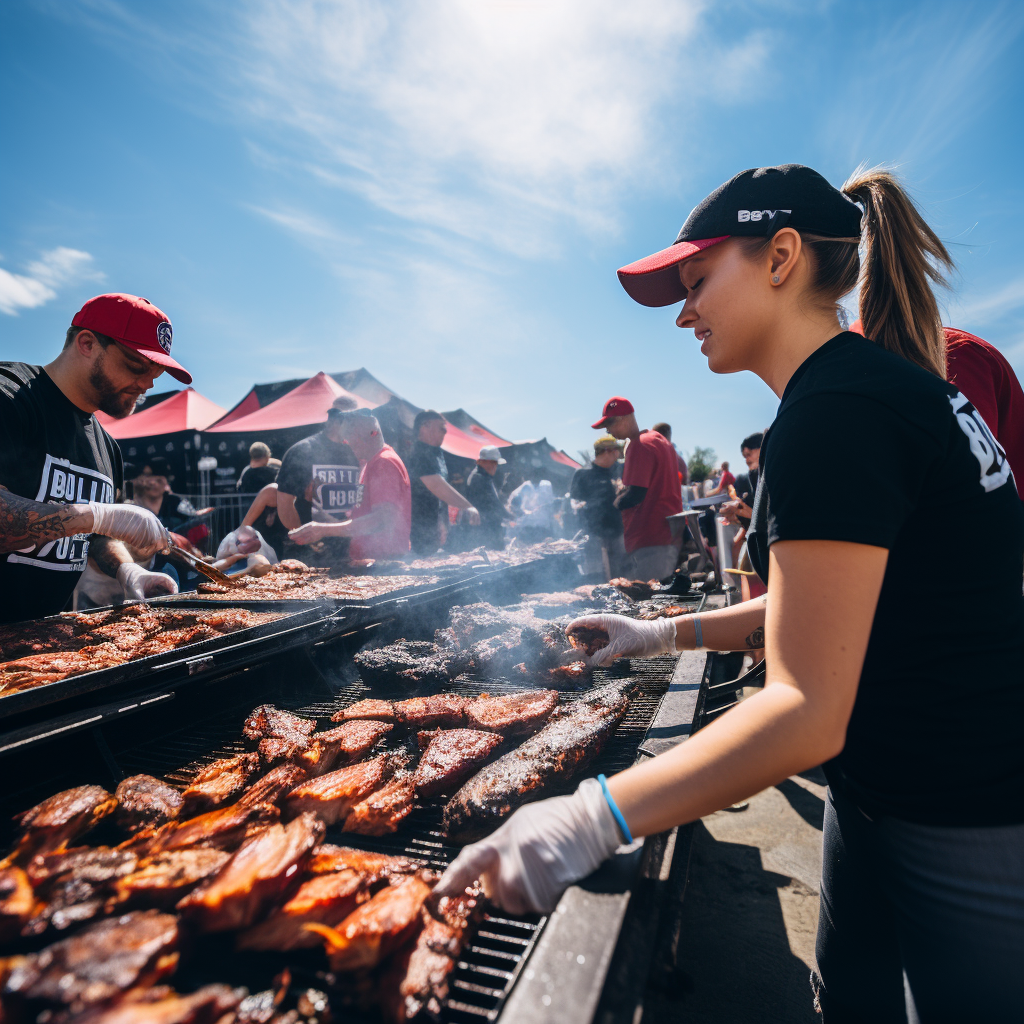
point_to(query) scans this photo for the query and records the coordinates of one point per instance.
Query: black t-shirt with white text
(330, 466)
(935, 734)
(50, 451)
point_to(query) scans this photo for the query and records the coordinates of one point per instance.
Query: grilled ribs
(218, 783)
(382, 710)
(222, 829)
(563, 748)
(144, 801)
(452, 756)
(17, 902)
(99, 962)
(373, 866)
(383, 811)
(212, 1004)
(52, 824)
(262, 871)
(323, 899)
(273, 786)
(346, 743)
(377, 928)
(502, 654)
(438, 711)
(279, 735)
(330, 797)
(513, 714)
(588, 639)
(162, 880)
(415, 661)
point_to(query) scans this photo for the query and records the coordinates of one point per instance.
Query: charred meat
(218, 783)
(636, 590)
(502, 654)
(377, 928)
(143, 801)
(17, 902)
(52, 824)
(372, 866)
(273, 786)
(223, 829)
(411, 661)
(263, 870)
(267, 722)
(330, 797)
(383, 710)
(99, 962)
(161, 1005)
(563, 748)
(513, 714)
(345, 744)
(383, 811)
(452, 756)
(162, 880)
(665, 611)
(438, 711)
(588, 639)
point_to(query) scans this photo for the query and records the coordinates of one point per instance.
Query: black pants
(919, 923)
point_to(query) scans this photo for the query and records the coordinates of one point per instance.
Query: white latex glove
(630, 638)
(544, 847)
(136, 526)
(138, 583)
(472, 516)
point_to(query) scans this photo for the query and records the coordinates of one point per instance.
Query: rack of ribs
(323, 899)
(415, 984)
(262, 872)
(417, 661)
(17, 903)
(99, 962)
(377, 928)
(218, 783)
(588, 639)
(512, 714)
(382, 710)
(161, 1005)
(502, 654)
(382, 812)
(162, 880)
(143, 801)
(52, 824)
(278, 735)
(562, 749)
(349, 742)
(332, 796)
(222, 829)
(273, 786)
(451, 757)
(373, 866)
(438, 711)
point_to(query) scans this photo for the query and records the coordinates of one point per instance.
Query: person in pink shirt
(381, 522)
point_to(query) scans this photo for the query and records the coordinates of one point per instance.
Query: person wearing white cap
(482, 492)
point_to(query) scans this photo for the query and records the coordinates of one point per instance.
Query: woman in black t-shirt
(904, 678)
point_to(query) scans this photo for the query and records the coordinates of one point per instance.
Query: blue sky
(442, 190)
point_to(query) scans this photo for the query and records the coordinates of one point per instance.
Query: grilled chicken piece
(257, 876)
(415, 984)
(273, 786)
(279, 735)
(144, 801)
(218, 783)
(588, 639)
(347, 743)
(373, 866)
(452, 756)
(162, 1005)
(99, 962)
(17, 902)
(52, 824)
(323, 899)
(438, 711)
(383, 710)
(332, 796)
(382, 812)
(563, 748)
(513, 714)
(223, 829)
(162, 880)
(377, 928)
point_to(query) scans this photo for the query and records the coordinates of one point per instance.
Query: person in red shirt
(725, 481)
(381, 522)
(652, 491)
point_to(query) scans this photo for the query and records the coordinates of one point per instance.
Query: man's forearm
(286, 511)
(108, 554)
(739, 628)
(440, 488)
(25, 523)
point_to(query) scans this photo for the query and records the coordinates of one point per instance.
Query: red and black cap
(755, 203)
(135, 323)
(617, 406)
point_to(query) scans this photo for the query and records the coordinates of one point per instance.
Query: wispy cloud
(986, 309)
(44, 278)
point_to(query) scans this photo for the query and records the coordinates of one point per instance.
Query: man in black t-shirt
(61, 472)
(259, 472)
(319, 479)
(482, 491)
(595, 487)
(152, 490)
(431, 492)
(746, 483)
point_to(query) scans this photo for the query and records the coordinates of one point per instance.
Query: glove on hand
(544, 847)
(136, 526)
(630, 638)
(138, 583)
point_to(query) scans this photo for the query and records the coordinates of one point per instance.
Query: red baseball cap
(135, 323)
(614, 407)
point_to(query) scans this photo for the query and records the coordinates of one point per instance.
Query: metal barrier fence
(227, 513)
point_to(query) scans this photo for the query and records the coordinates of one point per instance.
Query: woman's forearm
(739, 628)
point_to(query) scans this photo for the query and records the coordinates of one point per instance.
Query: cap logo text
(163, 336)
(756, 215)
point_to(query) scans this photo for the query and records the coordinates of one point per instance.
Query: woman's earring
(775, 279)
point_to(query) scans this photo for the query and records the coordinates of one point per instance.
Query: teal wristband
(616, 813)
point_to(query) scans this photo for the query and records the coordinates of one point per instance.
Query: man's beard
(108, 399)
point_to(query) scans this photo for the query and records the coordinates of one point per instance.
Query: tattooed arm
(25, 523)
(738, 628)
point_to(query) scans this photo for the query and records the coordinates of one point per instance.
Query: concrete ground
(746, 946)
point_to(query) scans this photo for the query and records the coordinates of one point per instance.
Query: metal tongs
(204, 568)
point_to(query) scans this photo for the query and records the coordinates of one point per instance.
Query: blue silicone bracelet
(616, 813)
